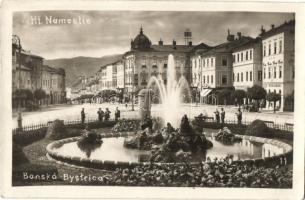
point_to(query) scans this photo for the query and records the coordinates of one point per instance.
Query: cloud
(112, 30)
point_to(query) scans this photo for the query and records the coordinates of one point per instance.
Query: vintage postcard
(145, 99)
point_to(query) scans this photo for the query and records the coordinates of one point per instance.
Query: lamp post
(132, 98)
(16, 41)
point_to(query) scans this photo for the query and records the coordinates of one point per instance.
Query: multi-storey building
(278, 61)
(53, 83)
(28, 72)
(212, 67)
(145, 60)
(247, 64)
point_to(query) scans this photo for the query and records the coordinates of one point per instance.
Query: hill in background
(78, 66)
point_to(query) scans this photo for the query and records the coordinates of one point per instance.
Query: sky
(110, 32)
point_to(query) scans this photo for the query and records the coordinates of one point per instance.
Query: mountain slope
(78, 66)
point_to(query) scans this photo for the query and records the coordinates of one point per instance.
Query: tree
(273, 97)
(256, 93)
(39, 94)
(289, 102)
(224, 94)
(239, 95)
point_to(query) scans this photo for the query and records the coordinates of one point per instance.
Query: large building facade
(29, 74)
(278, 61)
(146, 60)
(247, 65)
(238, 63)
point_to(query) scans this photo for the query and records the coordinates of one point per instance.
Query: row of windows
(206, 62)
(210, 79)
(273, 72)
(240, 57)
(204, 79)
(277, 48)
(280, 91)
(243, 76)
(154, 66)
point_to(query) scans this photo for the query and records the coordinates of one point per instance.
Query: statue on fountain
(166, 143)
(226, 136)
(89, 141)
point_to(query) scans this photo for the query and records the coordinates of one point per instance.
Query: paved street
(71, 112)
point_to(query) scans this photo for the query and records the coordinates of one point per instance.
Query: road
(71, 112)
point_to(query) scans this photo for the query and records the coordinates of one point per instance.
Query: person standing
(107, 114)
(100, 114)
(117, 114)
(222, 115)
(217, 116)
(83, 115)
(239, 115)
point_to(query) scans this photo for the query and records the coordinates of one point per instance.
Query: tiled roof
(112, 63)
(281, 28)
(172, 48)
(227, 47)
(23, 67)
(54, 70)
(30, 54)
(248, 44)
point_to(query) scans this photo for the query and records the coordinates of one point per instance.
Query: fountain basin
(112, 154)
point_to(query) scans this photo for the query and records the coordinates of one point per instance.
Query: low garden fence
(284, 127)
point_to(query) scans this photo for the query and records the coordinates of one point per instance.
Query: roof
(30, 54)
(23, 67)
(248, 44)
(281, 28)
(111, 63)
(54, 70)
(227, 47)
(172, 48)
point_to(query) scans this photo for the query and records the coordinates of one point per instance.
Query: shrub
(258, 128)
(56, 130)
(18, 155)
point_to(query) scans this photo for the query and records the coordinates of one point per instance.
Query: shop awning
(205, 92)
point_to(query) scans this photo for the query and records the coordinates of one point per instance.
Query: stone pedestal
(144, 99)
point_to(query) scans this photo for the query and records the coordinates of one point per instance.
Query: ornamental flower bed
(126, 125)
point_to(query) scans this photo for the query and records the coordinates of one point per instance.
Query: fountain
(134, 143)
(171, 92)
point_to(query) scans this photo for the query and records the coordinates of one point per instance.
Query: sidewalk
(42, 108)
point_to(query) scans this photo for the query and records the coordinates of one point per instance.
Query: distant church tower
(188, 37)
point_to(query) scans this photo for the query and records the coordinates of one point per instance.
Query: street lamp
(16, 41)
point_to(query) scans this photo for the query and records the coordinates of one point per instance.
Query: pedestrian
(100, 114)
(83, 115)
(126, 105)
(217, 116)
(117, 114)
(222, 115)
(239, 115)
(107, 114)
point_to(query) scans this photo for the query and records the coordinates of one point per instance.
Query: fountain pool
(112, 149)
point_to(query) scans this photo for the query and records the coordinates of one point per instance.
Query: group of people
(220, 116)
(220, 173)
(102, 115)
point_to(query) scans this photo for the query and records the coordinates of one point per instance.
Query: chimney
(262, 30)
(230, 37)
(239, 35)
(272, 26)
(190, 43)
(160, 42)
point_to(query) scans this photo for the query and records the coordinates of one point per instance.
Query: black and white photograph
(154, 99)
